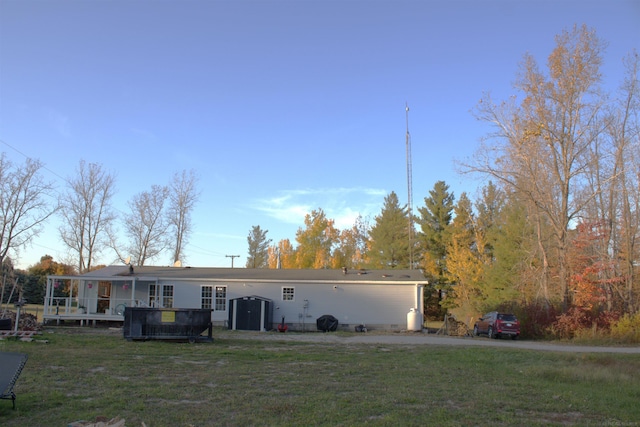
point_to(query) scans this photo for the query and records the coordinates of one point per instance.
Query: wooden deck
(83, 318)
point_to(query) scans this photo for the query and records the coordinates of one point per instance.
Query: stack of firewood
(27, 322)
(456, 328)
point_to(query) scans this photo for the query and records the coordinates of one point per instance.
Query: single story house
(378, 299)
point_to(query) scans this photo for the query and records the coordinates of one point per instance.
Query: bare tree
(624, 192)
(146, 226)
(183, 195)
(546, 140)
(23, 209)
(86, 213)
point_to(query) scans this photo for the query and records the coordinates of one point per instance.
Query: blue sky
(281, 107)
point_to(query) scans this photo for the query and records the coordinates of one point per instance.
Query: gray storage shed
(251, 313)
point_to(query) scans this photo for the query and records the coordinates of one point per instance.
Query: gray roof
(258, 274)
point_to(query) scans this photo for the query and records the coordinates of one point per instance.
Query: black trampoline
(12, 364)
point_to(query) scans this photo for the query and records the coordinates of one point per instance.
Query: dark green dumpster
(179, 324)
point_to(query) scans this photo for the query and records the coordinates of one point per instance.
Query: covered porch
(85, 299)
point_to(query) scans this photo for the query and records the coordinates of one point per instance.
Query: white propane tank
(414, 320)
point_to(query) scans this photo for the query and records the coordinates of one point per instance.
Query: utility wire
(29, 157)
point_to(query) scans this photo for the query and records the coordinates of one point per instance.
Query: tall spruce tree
(434, 219)
(389, 236)
(512, 272)
(489, 208)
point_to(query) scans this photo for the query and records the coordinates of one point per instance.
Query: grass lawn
(84, 373)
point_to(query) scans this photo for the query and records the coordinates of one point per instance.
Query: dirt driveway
(385, 338)
(419, 338)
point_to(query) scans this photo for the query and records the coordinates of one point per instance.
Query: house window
(160, 296)
(207, 297)
(154, 298)
(167, 296)
(221, 298)
(288, 294)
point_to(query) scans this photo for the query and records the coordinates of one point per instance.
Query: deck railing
(68, 306)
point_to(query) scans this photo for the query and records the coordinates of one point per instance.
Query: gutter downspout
(420, 302)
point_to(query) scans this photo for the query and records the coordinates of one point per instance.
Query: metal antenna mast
(409, 189)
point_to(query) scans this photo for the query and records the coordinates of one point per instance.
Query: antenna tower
(409, 189)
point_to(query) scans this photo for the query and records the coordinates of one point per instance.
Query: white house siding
(378, 299)
(141, 293)
(185, 295)
(382, 306)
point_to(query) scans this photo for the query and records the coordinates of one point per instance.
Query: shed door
(248, 314)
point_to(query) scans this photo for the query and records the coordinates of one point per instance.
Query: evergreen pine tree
(434, 219)
(389, 236)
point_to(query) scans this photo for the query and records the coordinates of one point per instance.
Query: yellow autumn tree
(282, 255)
(351, 248)
(464, 264)
(316, 241)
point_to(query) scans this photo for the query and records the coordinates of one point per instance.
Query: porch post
(133, 293)
(69, 298)
(47, 293)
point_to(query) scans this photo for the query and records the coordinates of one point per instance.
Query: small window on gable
(288, 294)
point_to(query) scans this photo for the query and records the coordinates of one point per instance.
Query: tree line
(158, 220)
(556, 227)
